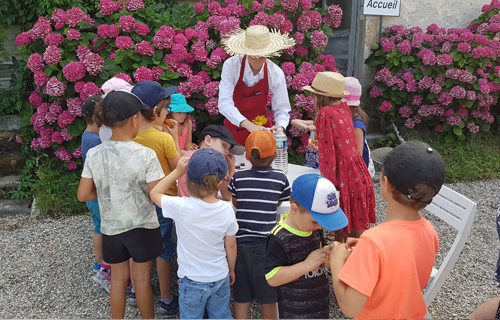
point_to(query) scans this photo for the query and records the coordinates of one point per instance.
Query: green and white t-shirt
(121, 171)
(307, 297)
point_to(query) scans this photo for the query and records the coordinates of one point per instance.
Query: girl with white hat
(248, 77)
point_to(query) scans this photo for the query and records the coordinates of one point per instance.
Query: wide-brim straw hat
(256, 41)
(330, 84)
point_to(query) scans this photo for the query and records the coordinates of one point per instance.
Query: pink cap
(354, 87)
(115, 84)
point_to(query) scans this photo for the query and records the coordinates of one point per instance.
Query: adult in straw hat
(248, 77)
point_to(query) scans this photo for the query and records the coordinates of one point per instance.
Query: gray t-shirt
(121, 171)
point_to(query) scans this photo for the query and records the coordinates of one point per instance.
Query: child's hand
(340, 252)
(182, 165)
(351, 242)
(174, 131)
(315, 259)
(231, 162)
(193, 146)
(232, 277)
(311, 127)
(314, 145)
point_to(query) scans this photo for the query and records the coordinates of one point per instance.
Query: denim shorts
(195, 296)
(166, 234)
(250, 282)
(93, 206)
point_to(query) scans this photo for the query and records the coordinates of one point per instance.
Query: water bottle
(281, 162)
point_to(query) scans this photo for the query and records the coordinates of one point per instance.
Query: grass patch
(477, 158)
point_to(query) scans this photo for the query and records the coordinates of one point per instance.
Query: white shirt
(121, 171)
(201, 228)
(277, 86)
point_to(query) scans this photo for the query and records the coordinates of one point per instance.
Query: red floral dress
(341, 162)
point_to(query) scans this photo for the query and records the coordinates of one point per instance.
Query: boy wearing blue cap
(206, 231)
(297, 251)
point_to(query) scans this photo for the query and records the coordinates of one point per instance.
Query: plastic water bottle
(281, 162)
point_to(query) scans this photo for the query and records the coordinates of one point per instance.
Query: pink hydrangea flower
(288, 68)
(267, 4)
(59, 17)
(74, 106)
(82, 52)
(388, 46)
(141, 29)
(89, 89)
(334, 18)
(290, 5)
(144, 48)
(55, 88)
(76, 15)
(143, 74)
(72, 165)
(93, 63)
(163, 39)
(319, 39)
(486, 8)
(329, 63)
(62, 154)
(124, 76)
(40, 30)
(301, 51)
(35, 99)
(375, 92)
(133, 5)
(100, 47)
(385, 106)
(190, 33)
(124, 42)
(472, 127)
(40, 78)
(211, 89)
(212, 106)
(53, 39)
(52, 55)
(181, 39)
(405, 112)
(73, 34)
(57, 137)
(157, 72)
(107, 7)
(444, 60)
(74, 71)
(199, 8)
(127, 23)
(458, 92)
(23, 39)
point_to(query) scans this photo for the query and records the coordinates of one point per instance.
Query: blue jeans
(166, 234)
(195, 296)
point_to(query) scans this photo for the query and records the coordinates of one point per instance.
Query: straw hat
(330, 84)
(256, 41)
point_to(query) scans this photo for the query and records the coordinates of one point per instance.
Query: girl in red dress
(339, 158)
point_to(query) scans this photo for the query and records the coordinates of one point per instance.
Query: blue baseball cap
(320, 197)
(179, 104)
(206, 161)
(151, 92)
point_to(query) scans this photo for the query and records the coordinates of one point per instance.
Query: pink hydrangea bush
(72, 53)
(444, 79)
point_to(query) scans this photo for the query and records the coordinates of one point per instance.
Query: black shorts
(251, 283)
(140, 244)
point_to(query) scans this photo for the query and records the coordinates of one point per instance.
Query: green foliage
(15, 98)
(474, 159)
(390, 140)
(55, 189)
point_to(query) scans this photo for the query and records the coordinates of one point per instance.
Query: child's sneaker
(131, 299)
(97, 267)
(171, 308)
(101, 279)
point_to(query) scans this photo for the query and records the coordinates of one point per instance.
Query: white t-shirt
(121, 171)
(201, 228)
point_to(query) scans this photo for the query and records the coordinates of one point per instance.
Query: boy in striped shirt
(257, 193)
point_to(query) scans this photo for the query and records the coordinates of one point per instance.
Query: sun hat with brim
(179, 104)
(256, 41)
(320, 197)
(330, 84)
(354, 87)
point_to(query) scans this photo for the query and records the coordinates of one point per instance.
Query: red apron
(250, 102)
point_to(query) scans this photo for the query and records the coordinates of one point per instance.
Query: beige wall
(421, 13)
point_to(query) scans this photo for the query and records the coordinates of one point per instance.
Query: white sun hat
(256, 41)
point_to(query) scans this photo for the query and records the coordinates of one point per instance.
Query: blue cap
(179, 104)
(318, 195)
(151, 92)
(206, 161)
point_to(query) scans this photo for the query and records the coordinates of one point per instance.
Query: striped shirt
(257, 192)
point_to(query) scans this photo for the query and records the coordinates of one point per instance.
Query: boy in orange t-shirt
(384, 274)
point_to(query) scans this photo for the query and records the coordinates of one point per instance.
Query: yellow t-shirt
(164, 146)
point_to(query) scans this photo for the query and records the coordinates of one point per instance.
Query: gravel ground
(45, 265)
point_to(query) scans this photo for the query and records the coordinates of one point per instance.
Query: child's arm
(289, 273)
(226, 194)
(360, 136)
(189, 139)
(162, 187)
(350, 301)
(86, 190)
(230, 244)
(303, 124)
(174, 132)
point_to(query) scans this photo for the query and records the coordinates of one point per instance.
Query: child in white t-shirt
(206, 232)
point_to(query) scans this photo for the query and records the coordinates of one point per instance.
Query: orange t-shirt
(391, 264)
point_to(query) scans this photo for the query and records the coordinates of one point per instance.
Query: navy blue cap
(320, 197)
(151, 92)
(204, 162)
(120, 105)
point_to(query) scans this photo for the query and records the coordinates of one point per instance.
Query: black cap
(221, 132)
(410, 164)
(88, 105)
(121, 105)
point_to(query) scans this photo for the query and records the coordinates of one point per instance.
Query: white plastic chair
(459, 212)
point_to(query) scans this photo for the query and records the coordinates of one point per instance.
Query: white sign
(382, 8)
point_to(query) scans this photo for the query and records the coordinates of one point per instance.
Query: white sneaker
(102, 280)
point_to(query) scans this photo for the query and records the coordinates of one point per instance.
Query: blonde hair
(322, 101)
(210, 186)
(421, 195)
(153, 113)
